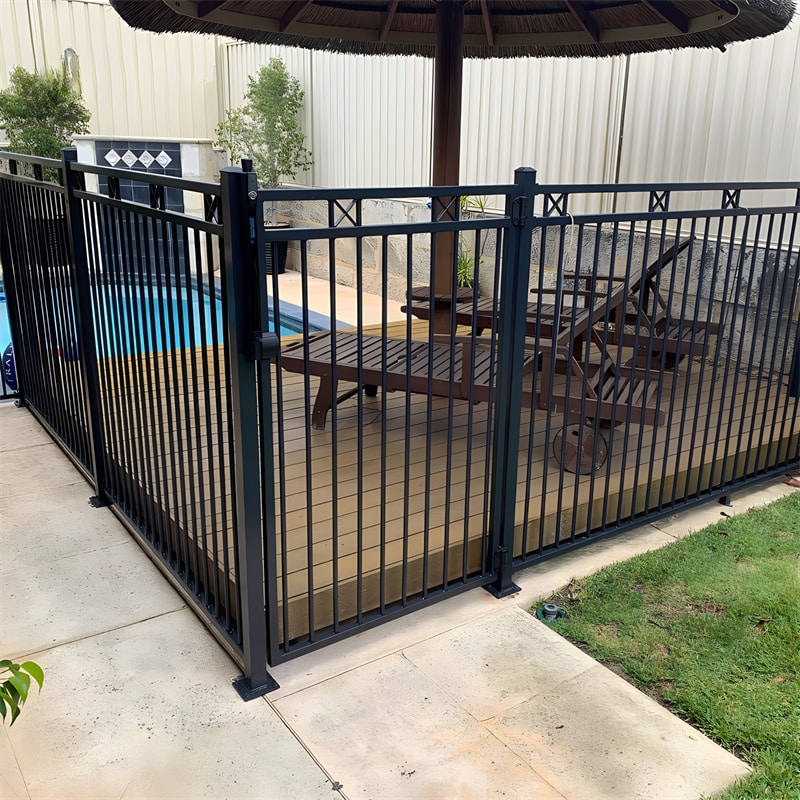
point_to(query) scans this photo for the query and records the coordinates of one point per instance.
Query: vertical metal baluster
(767, 317)
(717, 350)
(792, 292)
(692, 406)
(662, 361)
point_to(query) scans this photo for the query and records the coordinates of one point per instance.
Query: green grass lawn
(710, 626)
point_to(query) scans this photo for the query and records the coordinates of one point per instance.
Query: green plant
(465, 275)
(465, 272)
(41, 113)
(469, 204)
(15, 688)
(266, 127)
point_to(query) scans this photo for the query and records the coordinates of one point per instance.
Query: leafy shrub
(266, 127)
(41, 113)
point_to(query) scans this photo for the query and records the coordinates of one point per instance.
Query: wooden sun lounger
(606, 391)
(465, 370)
(654, 335)
(657, 331)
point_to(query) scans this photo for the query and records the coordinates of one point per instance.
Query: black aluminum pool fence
(122, 353)
(604, 369)
(615, 353)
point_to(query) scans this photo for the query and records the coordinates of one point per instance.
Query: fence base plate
(247, 692)
(512, 588)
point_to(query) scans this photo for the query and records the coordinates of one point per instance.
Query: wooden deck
(359, 505)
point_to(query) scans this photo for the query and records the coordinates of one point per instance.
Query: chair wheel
(583, 454)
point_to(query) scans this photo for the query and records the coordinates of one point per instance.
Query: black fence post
(84, 321)
(513, 310)
(240, 295)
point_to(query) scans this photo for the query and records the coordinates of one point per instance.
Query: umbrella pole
(447, 90)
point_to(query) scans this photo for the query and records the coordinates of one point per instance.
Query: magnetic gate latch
(518, 211)
(267, 346)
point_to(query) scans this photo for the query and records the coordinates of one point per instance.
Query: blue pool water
(175, 318)
(5, 330)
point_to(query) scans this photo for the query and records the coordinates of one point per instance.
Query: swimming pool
(135, 319)
(161, 319)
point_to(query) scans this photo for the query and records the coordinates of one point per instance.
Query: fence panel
(378, 425)
(159, 324)
(120, 327)
(666, 341)
(38, 276)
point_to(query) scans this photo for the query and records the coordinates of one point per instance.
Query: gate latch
(266, 347)
(518, 211)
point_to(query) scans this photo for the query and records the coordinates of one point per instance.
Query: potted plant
(41, 112)
(266, 129)
(465, 272)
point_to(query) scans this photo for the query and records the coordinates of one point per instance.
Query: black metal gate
(126, 350)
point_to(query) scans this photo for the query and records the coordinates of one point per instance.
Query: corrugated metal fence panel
(134, 83)
(704, 115)
(689, 115)
(557, 115)
(374, 117)
(367, 120)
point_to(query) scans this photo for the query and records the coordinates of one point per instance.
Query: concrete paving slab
(147, 711)
(493, 664)
(19, 429)
(595, 737)
(37, 469)
(59, 601)
(699, 517)
(80, 528)
(12, 784)
(543, 580)
(392, 637)
(386, 730)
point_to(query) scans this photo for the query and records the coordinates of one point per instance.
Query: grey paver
(386, 730)
(595, 737)
(502, 661)
(147, 711)
(70, 598)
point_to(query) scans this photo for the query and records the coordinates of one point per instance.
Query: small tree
(41, 113)
(266, 127)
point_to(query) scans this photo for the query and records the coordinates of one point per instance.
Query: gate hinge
(266, 346)
(519, 215)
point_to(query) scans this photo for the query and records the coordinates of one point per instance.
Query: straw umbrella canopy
(450, 30)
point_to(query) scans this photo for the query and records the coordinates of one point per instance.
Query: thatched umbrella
(449, 30)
